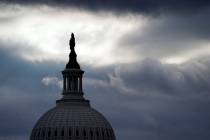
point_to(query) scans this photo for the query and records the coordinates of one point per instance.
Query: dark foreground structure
(73, 118)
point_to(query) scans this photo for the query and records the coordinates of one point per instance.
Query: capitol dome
(69, 122)
(73, 118)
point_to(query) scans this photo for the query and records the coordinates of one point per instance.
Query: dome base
(72, 102)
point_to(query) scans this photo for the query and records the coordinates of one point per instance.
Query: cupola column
(80, 84)
(64, 83)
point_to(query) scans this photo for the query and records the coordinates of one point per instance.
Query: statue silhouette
(72, 64)
(72, 42)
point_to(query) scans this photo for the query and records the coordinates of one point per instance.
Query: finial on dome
(72, 42)
(72, 64)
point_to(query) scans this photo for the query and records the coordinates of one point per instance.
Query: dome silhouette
(73, 118)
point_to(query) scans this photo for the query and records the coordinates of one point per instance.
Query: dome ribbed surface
(72, 116)
(72, 123)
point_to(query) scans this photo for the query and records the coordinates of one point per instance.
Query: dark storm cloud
(170, 102)
(169, 35)
(139, 6)
(188, 79)
(22, 97)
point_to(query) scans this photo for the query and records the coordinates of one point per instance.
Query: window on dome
(91, 133)
(62, 133)
(69, 132)
(55, 134)
(110, 132)
(107, 132)
(102, 132)
(84, 132)
(77, 132)
(43, 133)
(49, 133)
(39, 133)
(97, 133)
(35, 132)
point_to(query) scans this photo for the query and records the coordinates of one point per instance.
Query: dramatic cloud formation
(46, 39)
(171, 38)
(148, 59)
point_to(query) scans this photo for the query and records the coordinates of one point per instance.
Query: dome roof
(72, 122)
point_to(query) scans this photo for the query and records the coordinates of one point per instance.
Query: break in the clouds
(46, 38)
(115, 38)
(149, 60)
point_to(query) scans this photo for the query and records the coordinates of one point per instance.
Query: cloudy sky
(149, 59)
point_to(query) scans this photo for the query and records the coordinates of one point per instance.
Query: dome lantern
(72, 75)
